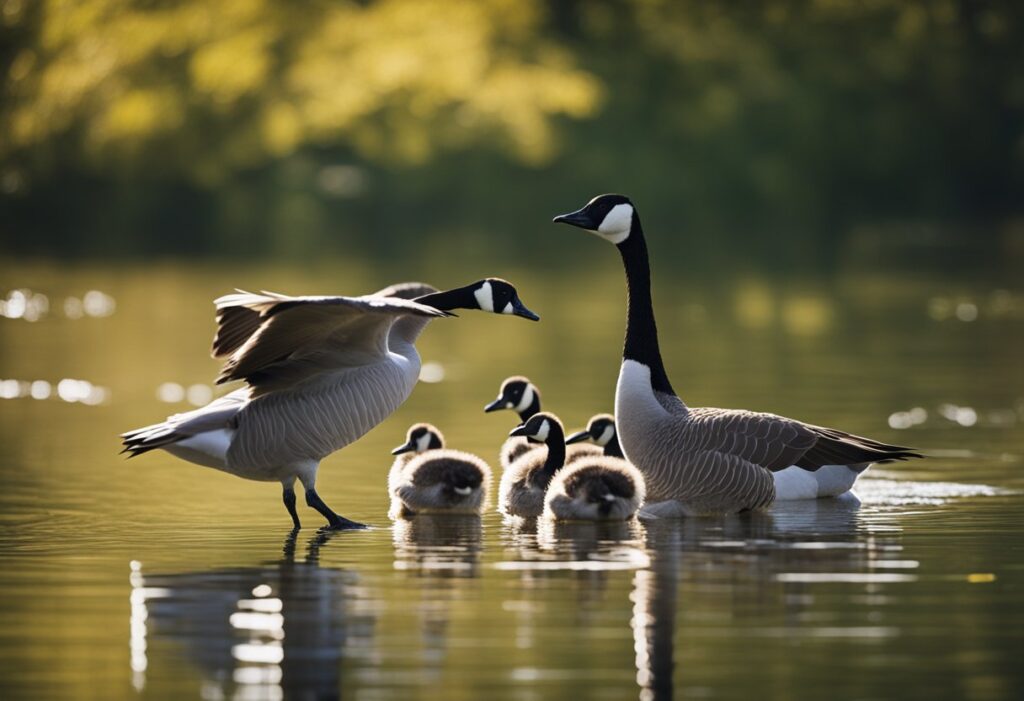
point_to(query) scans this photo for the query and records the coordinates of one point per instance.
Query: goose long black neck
(556, 455)
(612, 448)
(641, 342)
(533, 408)
(446, 300)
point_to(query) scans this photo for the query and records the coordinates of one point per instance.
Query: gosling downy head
(420, 438)
(542, 427)
(609, 216)
(600, 430)
(518, 394)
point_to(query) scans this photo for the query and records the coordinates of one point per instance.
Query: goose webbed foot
(334, 521)
(289, 503)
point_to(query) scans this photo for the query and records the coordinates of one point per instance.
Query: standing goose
(601, 430)
(703, 460)
(522, 396)
(436, 479)
(319, 371)
(596, 488)
(524, 482)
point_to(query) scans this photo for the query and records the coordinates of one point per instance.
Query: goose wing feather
(309, 333)
(770, 441)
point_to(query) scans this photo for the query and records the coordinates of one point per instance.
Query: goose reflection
(443, 552)
(268, 632)
(736, 566)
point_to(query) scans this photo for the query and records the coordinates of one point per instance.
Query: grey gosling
(703, 460)
(601, 430)
(319, 373)
(595, 489)
(418, 439)
(522, 396)
(436, 479)
(523, 484)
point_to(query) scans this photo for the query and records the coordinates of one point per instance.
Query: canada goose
(601, 430)
(523, 483)
(702, 460)
(320, 372)
(522, 396)
(418, 439)
(436, 479)
(595, 489)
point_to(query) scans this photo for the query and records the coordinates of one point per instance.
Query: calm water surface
(154, 578)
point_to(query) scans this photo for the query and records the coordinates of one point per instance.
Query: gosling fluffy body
(595, 489)
(436, 479)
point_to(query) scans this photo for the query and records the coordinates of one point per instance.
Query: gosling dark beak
(519, 309)
(578, 437)
(404, 448)
(497, 405)
(518, 431)
(578, 218)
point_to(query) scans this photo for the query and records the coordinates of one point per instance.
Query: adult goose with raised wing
(703, 460)
(319, 371)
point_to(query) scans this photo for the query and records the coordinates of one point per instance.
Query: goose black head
(420, 438)
(609, 216)
(518, 394)
(500, 297)
(600, 430)
(542, 427)
(490, 295)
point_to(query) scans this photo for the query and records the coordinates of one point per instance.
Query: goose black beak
(404, 448)
(578, 218)
(497, 405)
(519, 309)
(578, 437)
(518, 431)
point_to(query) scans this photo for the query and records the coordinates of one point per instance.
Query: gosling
(522, 396)
(435, 479)
(524, 482)
(600, 430)
(595, 489)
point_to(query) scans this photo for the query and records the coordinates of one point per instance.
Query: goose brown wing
(770, 441)
(317, 332)
(239, 315)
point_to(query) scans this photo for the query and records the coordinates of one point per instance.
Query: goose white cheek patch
(485, 297)
(526, 400)
(423, 442)
(507, 309)
(617, 223)
(606, 435)
(542, 432)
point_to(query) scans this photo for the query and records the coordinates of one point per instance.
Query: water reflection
(445, 545)
(267, 632)
(746, 560)
(443, 552)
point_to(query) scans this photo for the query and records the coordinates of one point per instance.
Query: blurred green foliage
(397, 127)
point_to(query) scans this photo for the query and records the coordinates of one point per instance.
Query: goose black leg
(334, 521)
(289, 503)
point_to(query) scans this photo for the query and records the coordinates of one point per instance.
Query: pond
(155, 578)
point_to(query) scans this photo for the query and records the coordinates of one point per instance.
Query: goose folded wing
(335, 332)
(770, 441)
